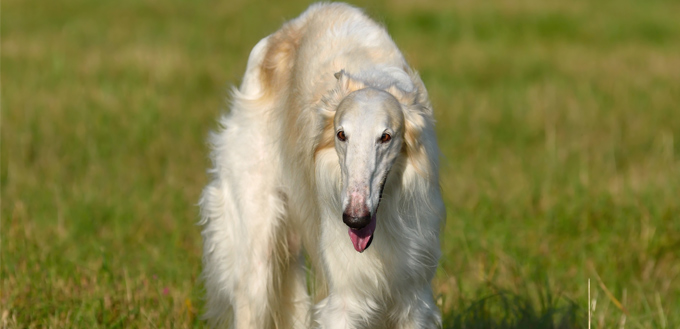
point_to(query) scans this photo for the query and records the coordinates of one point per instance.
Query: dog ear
(418, 115)
(418, 99)
(338, 75)
(394, 80)
(343, 80)
(401, 85)
(407, 98)
(346, 84)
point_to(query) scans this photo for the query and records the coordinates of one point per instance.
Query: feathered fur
(280, 184)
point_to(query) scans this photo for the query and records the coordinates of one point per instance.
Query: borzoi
(329, 151)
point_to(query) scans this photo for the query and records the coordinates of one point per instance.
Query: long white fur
(276, 192)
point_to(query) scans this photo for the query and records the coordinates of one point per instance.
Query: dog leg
(252, 264)
(296, 303)
(237, 270)
(346, 312)
(418, 312)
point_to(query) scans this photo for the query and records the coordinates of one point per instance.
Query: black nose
(356, 223)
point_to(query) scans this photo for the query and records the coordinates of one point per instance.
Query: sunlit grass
(558, 124)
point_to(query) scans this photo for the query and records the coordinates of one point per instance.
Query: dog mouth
(362, 238)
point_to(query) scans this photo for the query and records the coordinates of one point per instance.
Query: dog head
(369, 133)
(369, 127)
(371, 119)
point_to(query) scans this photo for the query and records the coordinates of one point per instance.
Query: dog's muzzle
(356, 222)
(361, 227)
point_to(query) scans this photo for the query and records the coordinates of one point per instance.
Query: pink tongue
(361, 237)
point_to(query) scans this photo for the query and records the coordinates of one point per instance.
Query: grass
(558, 124)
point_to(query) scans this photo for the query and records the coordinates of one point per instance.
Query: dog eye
(385, 138)
(341, 136)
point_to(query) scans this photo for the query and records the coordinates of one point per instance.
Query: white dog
(329, 151)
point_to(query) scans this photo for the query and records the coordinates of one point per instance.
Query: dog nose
(356, 222)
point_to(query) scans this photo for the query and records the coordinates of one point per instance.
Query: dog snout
(357, 213)
(356, 222)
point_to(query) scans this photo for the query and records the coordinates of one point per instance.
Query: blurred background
(558, 122)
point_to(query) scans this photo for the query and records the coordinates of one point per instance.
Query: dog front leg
(346, 312)
(418, 312)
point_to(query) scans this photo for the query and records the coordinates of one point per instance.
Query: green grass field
(558, 122)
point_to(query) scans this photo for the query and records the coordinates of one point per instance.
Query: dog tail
(268, 70)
